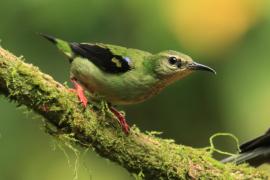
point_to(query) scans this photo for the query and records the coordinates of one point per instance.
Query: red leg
(80, 92)
(121, 119)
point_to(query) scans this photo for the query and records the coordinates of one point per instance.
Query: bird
(121, 75)
(255, 152)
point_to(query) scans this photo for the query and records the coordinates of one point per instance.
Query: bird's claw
(121, 120)
(79, 92)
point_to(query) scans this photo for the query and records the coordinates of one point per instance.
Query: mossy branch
(96, 128)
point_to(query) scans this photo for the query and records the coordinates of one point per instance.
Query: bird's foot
(79, 92)
(121, 119)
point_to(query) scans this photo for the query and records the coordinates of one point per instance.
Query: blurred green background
(232, 36)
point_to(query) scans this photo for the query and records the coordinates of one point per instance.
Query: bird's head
(171, 65)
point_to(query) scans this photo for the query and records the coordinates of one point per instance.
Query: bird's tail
(255, 152)
(255, 157)
(62, 45)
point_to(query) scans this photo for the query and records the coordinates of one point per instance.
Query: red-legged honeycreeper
(123, 75)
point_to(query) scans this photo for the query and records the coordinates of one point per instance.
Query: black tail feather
(255, 152)
(261, 141)
(254, 158)
(49, 38)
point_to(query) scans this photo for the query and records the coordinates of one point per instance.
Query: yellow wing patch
(116, 62)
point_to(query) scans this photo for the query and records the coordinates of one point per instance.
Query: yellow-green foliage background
(233, 36)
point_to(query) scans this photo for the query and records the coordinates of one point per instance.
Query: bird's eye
(172, 60)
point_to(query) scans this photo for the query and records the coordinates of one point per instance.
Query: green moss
(97, 128)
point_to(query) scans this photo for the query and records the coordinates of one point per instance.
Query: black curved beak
(196, 66)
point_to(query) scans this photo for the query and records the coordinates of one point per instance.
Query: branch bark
(97, 128)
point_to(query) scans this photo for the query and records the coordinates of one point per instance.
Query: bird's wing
(102, 57)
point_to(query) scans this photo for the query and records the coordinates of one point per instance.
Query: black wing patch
(102, 57)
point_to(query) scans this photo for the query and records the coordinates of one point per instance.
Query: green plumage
(125, 88)
(123, 75)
